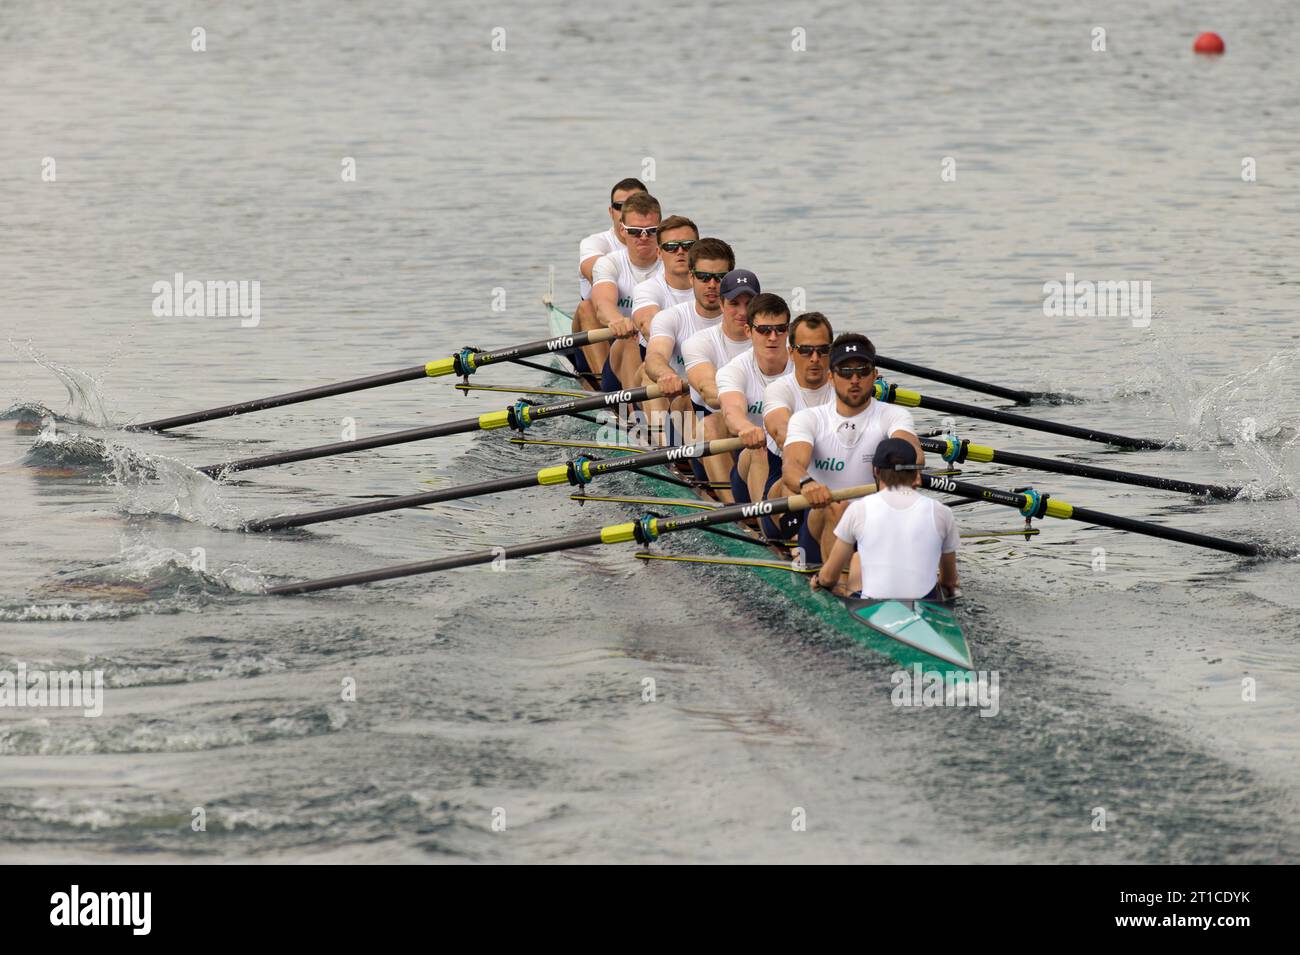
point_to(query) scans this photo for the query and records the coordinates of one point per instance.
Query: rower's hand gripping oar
(643, 531)
(579, 472)
(892, 394)
(518, 416)
(463, 363)
(1033, 504)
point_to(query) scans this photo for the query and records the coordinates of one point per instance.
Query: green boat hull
(907, 632)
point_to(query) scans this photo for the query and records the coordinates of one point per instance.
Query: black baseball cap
(738, 281)
(847, 351)
(895, 454)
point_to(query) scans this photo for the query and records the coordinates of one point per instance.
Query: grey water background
(521, 691)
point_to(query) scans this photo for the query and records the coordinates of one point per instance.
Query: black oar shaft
(907, 398)
(1119, 523)
(642, 531)
(557, 474)
(518, 416)
(960, 381)
(1053, 507)
(445, 563)
(343, 447)
(276, 401)
(464, 363)
(975, 452)
(393, 503)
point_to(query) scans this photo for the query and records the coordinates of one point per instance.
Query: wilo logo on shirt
(1087, 299)
(828, 464)
(103, 908)
(214, 299)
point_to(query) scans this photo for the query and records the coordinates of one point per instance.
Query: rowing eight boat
(907, 631)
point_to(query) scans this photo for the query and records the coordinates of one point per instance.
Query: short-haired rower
(808, 385)
(589, 250)
(742, 385)
(662, 291)
(613, 278)
(710, 259)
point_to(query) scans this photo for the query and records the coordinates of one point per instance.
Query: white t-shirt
(712, 346)
(786, 392)
(842, 447)
(899, 535)
(679, 323)
(617, 268)
(657, 292)
(742, 374)
(597, 244)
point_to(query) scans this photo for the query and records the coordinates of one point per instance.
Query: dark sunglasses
(709, 276)
(770, 329)
(683, 244)
(617, 206)
(809, 350)
(849, 372)
(636, 233)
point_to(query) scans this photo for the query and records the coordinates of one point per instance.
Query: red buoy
(1208, 43)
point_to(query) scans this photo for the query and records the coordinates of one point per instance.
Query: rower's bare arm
(776, 422)
(794, 463)
(704, 379)
(735, 412)
(605, 297)
(833, 566)
(642, 318)
(948, 571)
(914, 441)
(586, 265)
(658, 357)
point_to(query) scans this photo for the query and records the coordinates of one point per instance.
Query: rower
(663, 290)
(709, 258)
(808, 385)
(710, 349)
(613, 278)
(829, 446)
(742, 384)
(900, 537)
(589, 250)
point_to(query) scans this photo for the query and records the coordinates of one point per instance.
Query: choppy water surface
(518, 695)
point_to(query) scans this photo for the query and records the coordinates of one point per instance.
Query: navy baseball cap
(848, 351)
(737, 281)
(895, 454)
